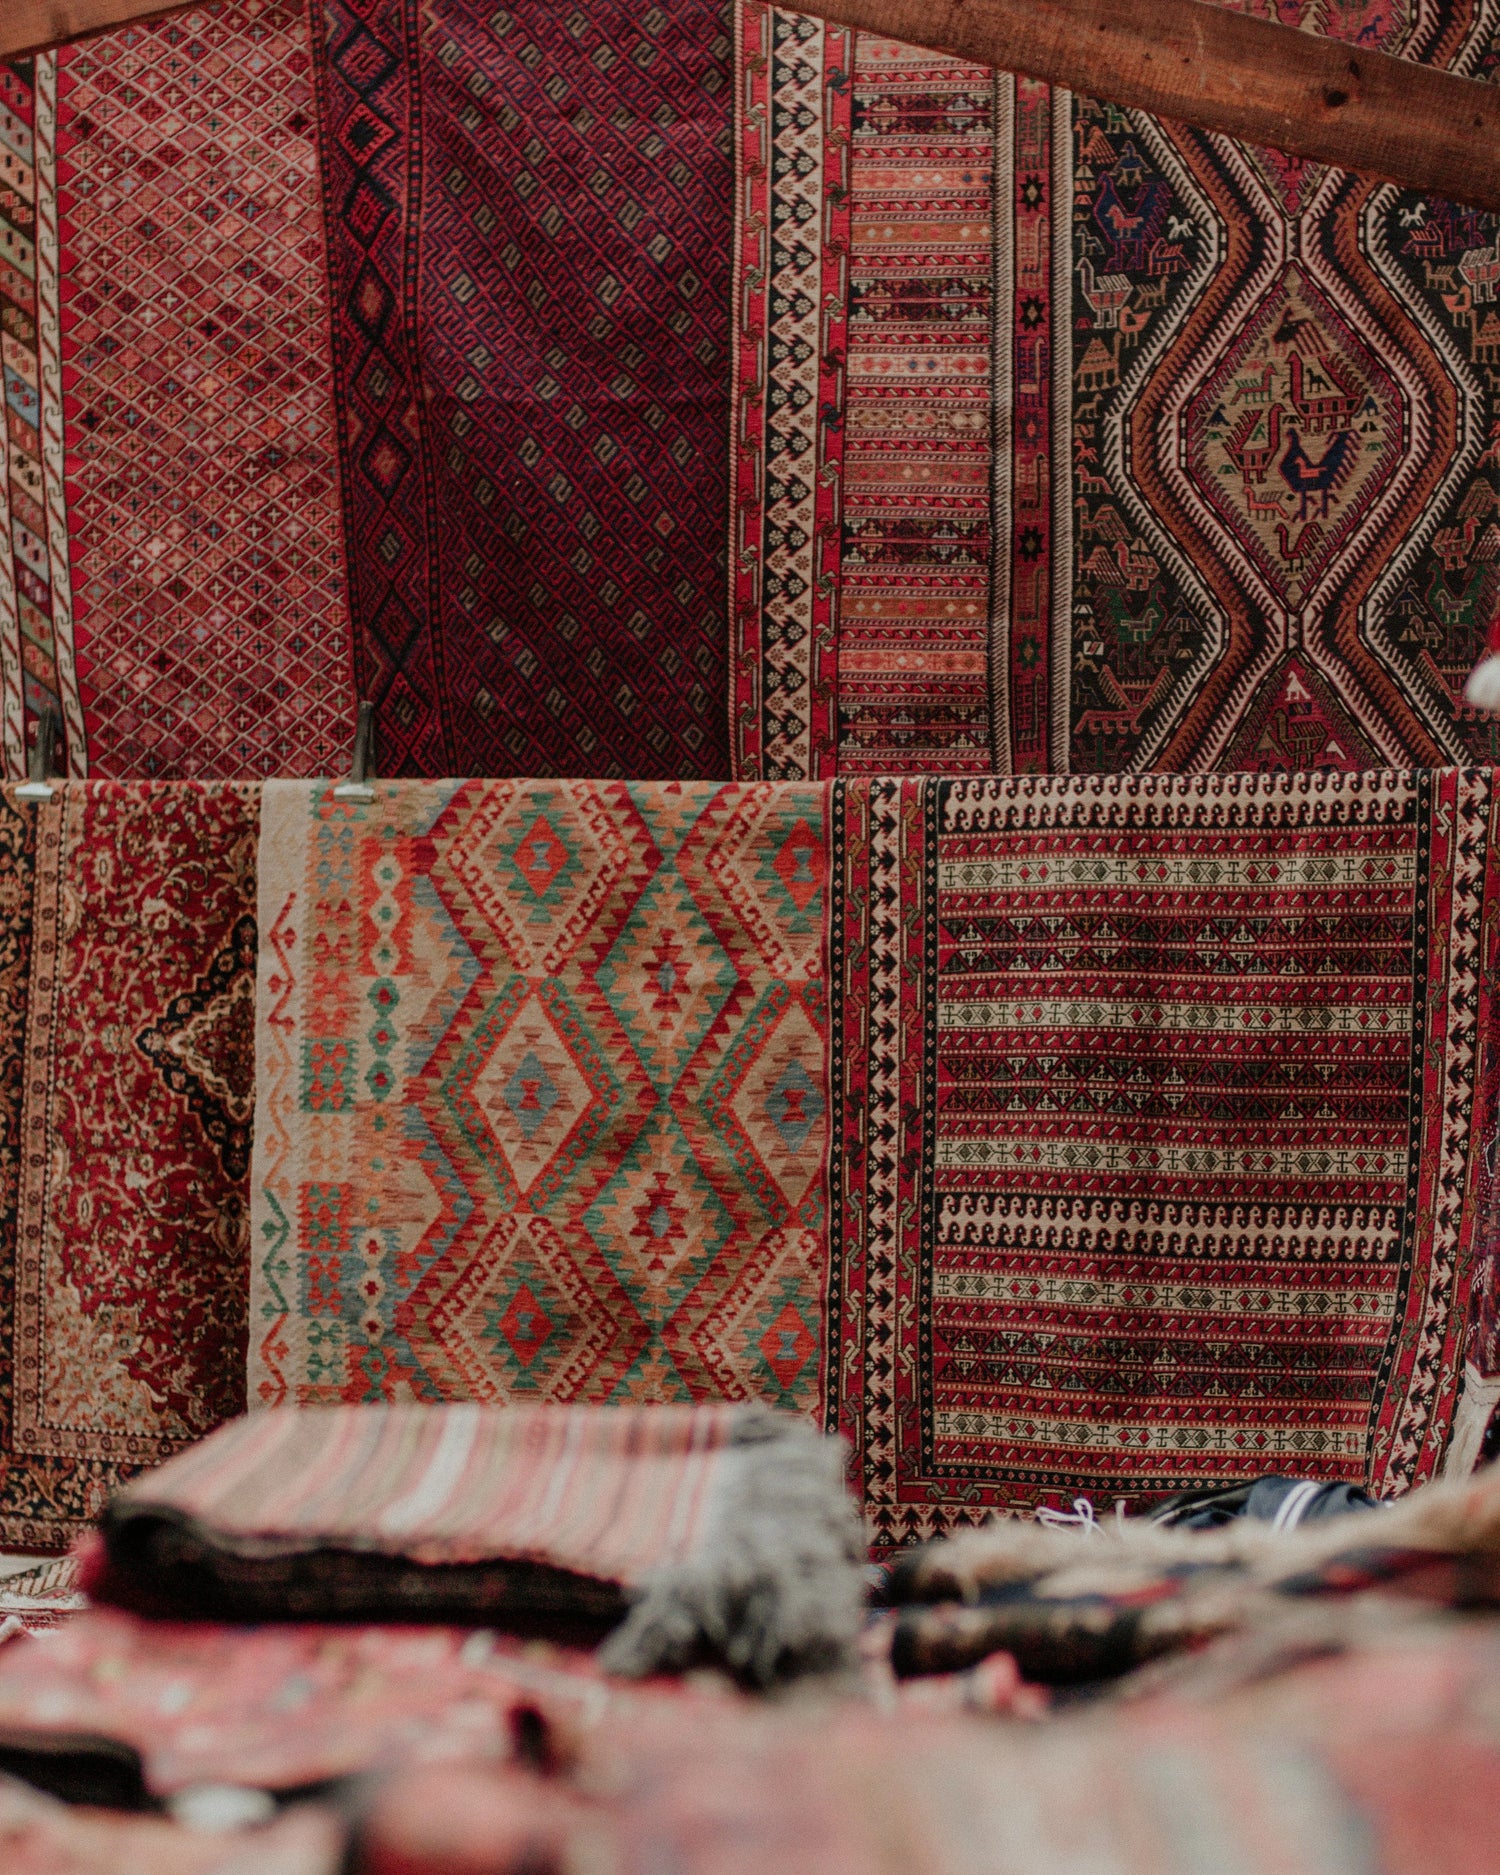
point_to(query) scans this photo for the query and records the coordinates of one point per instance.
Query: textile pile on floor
(1364, 1738)
(685, 1533)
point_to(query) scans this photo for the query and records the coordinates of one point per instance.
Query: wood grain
(1202, 64)
(35, 25)
(1186, 59)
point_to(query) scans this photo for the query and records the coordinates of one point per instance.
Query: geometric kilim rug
(542, 1104)
(1074, 440)
(528, 213)
(172, 574)
(1161, 1163)
(127, 981)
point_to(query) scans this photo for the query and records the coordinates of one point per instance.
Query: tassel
(1483, 687)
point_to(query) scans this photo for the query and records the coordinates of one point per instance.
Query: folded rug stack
(718, 1533)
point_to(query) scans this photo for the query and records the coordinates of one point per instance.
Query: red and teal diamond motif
(541, 857)
(786, 1347)
(800, 866)
(524, 1326)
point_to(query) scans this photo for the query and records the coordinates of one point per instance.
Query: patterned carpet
(126, 1041)
(176, 587)
(1157, 1103)
(723, 392)
(1161, 1164)
(542, 1103)
(1152, 451)
(528, 218)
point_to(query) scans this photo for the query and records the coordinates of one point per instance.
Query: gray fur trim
(776, 1589)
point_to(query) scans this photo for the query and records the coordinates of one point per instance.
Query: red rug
(177, 584)
(1161, 1162)
(290, 1705)
(528, 218)
(128, 1036)
(1035, 468)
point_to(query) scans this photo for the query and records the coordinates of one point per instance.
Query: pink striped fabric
(608, 1492)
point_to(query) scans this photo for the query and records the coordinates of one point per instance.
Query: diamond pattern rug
(1085, 442)
(528, 216)
(178, 551)
(543, 1107)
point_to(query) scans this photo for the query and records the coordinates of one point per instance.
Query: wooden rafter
(1186, 59)
(28, 26)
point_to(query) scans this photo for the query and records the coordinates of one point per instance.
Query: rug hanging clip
(38, 783)
(362, 771)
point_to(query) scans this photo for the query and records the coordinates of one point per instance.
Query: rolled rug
(1077, 1600)
(679, 1535)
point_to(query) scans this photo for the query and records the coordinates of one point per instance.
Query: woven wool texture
(528, 215)
(1066, 439)
(129, 964)
(1155, 1102)
(176, 587)
(1162, 1120)
(711, 391)
(609, 1495)
(542, 1107)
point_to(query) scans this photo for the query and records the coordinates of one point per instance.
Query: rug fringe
(777, 1588)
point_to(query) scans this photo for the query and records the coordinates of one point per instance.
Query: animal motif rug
(1162, 1109)
(127, 982)
(711, 390)
(1068, 439)
(542, 1107)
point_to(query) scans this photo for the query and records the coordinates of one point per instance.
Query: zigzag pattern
(559, 1130)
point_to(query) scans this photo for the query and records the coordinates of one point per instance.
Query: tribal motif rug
(1165, 1168)
(542, 1103)
(171, 573)
(127, 978)
(1085, 442)
(528, 215)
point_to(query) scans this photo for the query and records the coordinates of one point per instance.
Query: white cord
(1080, 1517)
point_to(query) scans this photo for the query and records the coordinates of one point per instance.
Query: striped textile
(680, 1532)
(607, 1492)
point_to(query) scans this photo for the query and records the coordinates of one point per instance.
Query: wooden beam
(1186, 59)
(28, 26)
(1201, 64)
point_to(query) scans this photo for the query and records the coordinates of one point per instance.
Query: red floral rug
(127, 1033)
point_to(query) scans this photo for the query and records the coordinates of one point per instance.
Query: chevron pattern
(555, 1128)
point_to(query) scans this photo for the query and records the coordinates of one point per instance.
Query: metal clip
(362, 773)
(38, 783)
